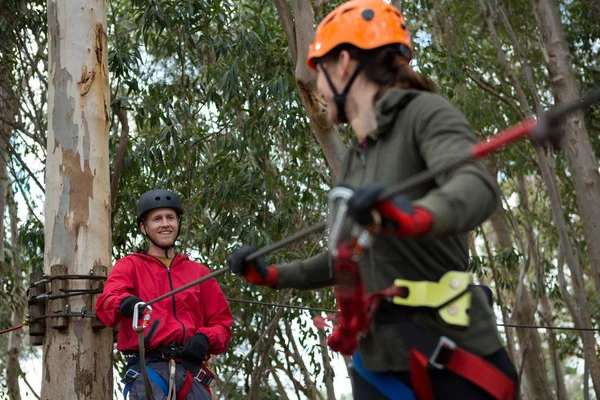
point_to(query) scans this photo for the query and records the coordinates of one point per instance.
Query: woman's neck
(364, 117)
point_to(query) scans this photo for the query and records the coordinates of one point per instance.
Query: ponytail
(385, 66)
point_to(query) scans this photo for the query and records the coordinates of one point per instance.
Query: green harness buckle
(450, 296)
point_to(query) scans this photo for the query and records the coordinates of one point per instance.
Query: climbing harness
(201, 373)
(450, 297)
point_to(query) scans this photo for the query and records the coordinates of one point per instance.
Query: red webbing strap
(467, 365)
(350, 296)
(419, 376)
(187, 385)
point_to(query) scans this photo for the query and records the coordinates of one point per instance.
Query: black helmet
(158, 198)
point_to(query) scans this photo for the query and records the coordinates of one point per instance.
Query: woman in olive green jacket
(402, 127)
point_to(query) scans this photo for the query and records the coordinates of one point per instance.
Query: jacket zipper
(174, 306)
(363, 158)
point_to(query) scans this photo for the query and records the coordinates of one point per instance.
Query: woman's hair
(386, 67)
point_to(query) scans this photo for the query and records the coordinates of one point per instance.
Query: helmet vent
(168, 197)
(368, 14)
(157, 198)
(391, 10)
(348, 10)
(330, 19)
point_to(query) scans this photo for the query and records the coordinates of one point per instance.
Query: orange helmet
(366, 24)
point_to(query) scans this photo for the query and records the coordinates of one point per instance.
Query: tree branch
(305, 31)
(23, 164)
(488, 88)
(122, 149)
(287, 23)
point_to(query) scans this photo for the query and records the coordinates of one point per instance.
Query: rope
(14, 328)
(147, 385)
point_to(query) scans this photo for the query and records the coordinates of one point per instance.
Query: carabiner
(336, 194)
(136, 316)
(362, 235)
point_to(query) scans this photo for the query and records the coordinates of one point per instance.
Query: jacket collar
(149, 258)
(388, 107)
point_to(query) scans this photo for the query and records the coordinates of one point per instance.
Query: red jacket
(200, 309)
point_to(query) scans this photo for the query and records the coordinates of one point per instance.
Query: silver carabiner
(338, 194)
(136, 316)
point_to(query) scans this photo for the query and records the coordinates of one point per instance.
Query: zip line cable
(326, 310)
(303, 308)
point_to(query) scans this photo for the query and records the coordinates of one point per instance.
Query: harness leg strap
(429, 351)
(466, 365)
(187, 385)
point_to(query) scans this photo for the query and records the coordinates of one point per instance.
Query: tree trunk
(546, 313)
(530, 344)
(8, 111)
(583, 164)
(13, 367)
(327, 368)
(77, 360)
(559, 373)
(299, 30)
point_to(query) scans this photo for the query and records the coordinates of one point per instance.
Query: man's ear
(143, 228)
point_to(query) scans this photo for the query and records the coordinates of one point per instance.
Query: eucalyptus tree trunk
(13, 367)
(559, 373)
(77, 361)
(299, 31)
(583, 163)
(8, 111)
(530, 344)
(327, 368)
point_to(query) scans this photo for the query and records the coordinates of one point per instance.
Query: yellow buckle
(452, 285)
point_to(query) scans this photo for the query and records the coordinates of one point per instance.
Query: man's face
(161, 224)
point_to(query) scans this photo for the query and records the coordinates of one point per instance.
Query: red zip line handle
(503, 139)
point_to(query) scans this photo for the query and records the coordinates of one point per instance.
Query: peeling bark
(77, 206)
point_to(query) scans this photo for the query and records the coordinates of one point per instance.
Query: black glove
(127, 305)
(362, 202)
(238, 266)
(195, 348)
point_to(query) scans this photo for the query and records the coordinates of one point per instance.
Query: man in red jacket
(186, 327)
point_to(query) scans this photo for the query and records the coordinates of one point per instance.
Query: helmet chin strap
(340, 98)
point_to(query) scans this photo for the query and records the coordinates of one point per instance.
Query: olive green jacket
(416, 131)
